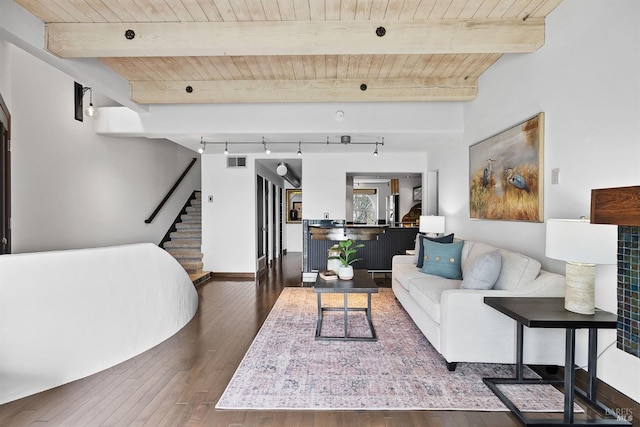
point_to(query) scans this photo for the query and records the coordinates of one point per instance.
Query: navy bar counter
(377, 253)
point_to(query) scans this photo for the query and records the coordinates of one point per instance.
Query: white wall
(324, 177)
(229, 223)
(72, 188)
(5, 86)
(87, 310)
(585, 80)
(232, 215)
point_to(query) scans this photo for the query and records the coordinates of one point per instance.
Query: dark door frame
(274, 223)
(5, 178)
(261, 224)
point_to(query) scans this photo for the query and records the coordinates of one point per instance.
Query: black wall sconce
(78, 95)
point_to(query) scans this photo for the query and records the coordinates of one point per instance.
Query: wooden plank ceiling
(235, 51)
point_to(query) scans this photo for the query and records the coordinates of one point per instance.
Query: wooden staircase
(185, 242)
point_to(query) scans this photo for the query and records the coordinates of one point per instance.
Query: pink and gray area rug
(286, 368)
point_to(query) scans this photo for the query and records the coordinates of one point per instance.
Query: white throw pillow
(482, 272)
(416, 249)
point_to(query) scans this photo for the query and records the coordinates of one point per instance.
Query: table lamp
(431, 224)
(582, 245)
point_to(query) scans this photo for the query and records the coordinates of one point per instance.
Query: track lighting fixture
(204, 146)
(343, 140)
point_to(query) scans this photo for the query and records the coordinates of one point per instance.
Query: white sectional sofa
(464, 329)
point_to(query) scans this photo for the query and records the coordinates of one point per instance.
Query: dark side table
(550, 313)
(360, 284)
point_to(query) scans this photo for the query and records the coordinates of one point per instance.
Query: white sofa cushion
(517, 270)
(404, 273)
(427, 290)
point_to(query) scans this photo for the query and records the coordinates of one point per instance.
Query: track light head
(226, 148)
(299, 153)
(204, 146)
(375, 153)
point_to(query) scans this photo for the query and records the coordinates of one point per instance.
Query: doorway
(261, 224)
(5, 179)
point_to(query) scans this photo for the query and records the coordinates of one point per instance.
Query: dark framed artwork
(297, 206)
(417, 193)
(506, 174)
(294, 206)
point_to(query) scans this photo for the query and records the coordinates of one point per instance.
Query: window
(365, 206)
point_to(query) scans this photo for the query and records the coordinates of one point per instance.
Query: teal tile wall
(628, 292)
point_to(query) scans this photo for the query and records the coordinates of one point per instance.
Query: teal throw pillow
(442, 259)
(441, 239)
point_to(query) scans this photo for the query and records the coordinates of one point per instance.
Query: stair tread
(188, 226)
(179, 252)
(191, 268)
(191, 264)
(176, 244)
(189, 235)
(186, 241)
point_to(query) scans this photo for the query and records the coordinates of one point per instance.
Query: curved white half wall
(69, 314)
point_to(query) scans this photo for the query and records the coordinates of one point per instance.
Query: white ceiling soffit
(404, 126)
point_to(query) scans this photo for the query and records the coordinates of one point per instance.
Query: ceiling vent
(237, 162)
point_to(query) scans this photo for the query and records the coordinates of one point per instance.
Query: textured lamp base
(579, 294)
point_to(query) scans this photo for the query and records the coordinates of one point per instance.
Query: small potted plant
(347, 256)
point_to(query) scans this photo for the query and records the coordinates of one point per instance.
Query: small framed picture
(297, 206)
(417, 193)
(294, 206)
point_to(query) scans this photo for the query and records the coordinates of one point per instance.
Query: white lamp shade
(582, 242)
(431, 224)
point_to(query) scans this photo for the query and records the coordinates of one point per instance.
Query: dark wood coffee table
(362, 283)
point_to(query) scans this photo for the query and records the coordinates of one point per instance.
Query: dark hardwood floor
(178, 382)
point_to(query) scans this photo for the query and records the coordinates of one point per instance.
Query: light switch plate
(210, 198)
(555, 176)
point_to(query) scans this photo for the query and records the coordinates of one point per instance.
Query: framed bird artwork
(506, 173)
